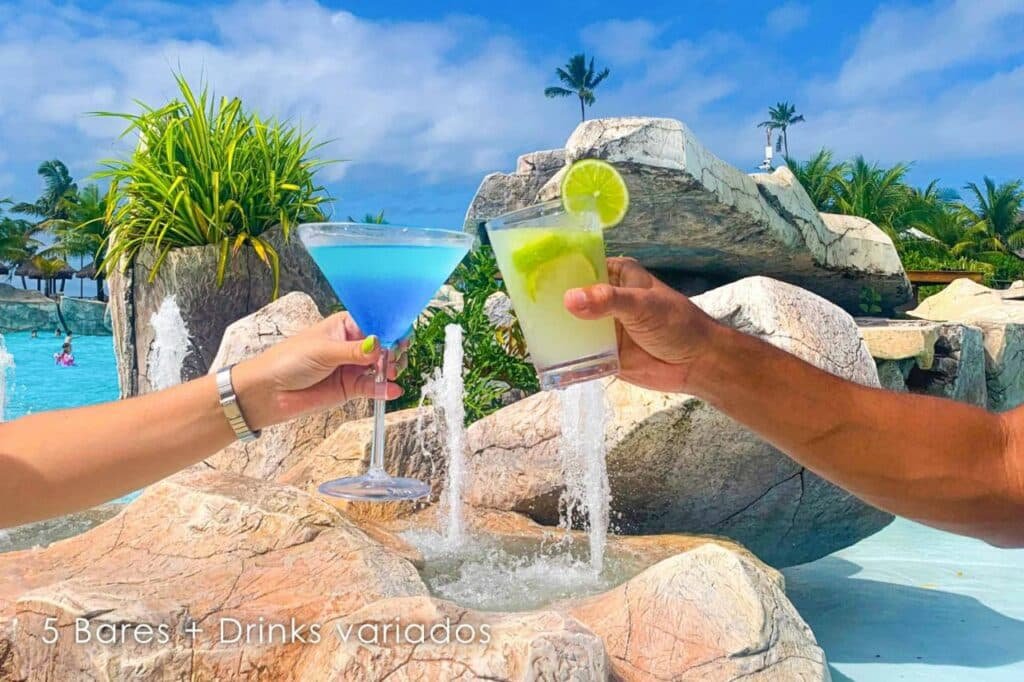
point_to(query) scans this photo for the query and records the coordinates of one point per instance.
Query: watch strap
(229, 403)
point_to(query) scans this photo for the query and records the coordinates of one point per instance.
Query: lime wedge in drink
(594, 185)
(557, 276)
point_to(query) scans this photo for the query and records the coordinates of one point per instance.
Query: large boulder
(204, 547)
(698, 221)
(189, 274)
(667, 623)
(503, 192)
(676, 464)
(438, 640)
(85, 317)
(279, 447)
(412, 448)
(1000, 317)
(25, 309)
(946, 360)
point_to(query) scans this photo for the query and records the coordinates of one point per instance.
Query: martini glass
(385, 276)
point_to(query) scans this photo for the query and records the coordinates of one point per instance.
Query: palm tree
(17, 240)
(998, 208)
(878, 194)
(59, 193)
(579, 79)
(84, 232)
(780, 117)
(820, 178)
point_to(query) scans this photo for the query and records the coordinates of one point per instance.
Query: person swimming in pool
(65, 358)
(943, 463)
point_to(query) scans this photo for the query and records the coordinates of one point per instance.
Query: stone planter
(189, 274)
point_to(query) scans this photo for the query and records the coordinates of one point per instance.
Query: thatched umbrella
(87, 272)
(33, 269)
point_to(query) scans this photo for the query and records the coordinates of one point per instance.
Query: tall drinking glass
(385, 276)
(542, 252)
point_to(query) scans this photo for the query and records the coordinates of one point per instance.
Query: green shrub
(209, 172)
(493, 364)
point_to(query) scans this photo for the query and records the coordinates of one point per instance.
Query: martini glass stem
(380, 394)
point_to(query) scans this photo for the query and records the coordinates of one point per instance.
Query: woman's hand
(325, 365)
(661, 333)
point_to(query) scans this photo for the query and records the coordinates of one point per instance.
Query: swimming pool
(37, 384)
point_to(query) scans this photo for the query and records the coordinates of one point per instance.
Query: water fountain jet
(6, 363)
(170, 345)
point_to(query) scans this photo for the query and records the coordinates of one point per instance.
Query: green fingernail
(369, 344)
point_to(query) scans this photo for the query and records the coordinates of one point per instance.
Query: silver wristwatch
(229, 403)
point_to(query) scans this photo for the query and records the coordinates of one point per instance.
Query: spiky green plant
(208, 172)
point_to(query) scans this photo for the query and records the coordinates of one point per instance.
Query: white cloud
(437, 98)
(902, 43)
(787, 18)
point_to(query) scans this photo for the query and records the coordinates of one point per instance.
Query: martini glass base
(375, 488)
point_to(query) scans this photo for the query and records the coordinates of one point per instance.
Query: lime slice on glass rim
(592, 185)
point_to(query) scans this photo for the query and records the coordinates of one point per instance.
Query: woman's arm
(940, 462)
(56, 462)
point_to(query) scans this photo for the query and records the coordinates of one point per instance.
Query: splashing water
(495, 573)
(584, 417)
(6, 363)
(170, 345)
(445, 392)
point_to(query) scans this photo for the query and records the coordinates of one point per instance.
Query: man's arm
(940, 462)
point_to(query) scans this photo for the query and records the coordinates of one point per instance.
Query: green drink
(543, 252)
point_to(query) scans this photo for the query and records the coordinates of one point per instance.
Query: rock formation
(1000, 317)
(676, 464)
(698, 222)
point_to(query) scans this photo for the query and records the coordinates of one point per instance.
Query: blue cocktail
(385, 276)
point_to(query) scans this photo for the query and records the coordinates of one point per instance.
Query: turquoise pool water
(36, 384)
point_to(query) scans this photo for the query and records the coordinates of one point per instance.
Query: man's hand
(661, 333)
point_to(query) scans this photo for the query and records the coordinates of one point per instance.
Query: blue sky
(423, 99)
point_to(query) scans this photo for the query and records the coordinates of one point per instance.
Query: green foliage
(370, 219)
(981, 234)
(493, 364)
(58, 197)
(17, 238)
(207, 171)
(870, 301)
(579, 79)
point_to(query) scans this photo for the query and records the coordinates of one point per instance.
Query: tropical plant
(820, 178)
(579, 79)
(84, 232)
(997, 214)
(370, 219)
(18, 240)
(873, 192)
(491, 368)
(207, 171)
(780, 117)
(59, 194)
